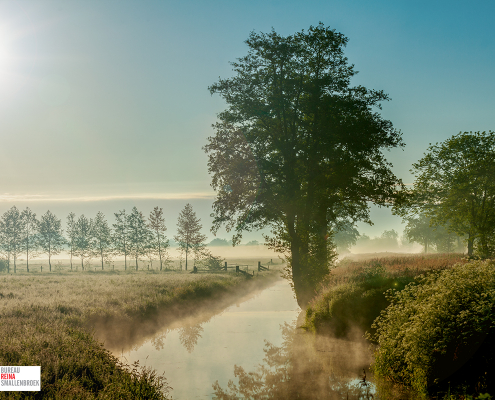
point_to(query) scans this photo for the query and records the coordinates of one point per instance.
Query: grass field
(52, 319)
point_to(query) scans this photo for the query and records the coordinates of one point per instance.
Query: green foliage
(298, 148)
(74, 365)
(189, 236)
(420, 229)
(219, 242)
(210, 261)
(455, 186)
(345, 236)
(432, 328)
(357, 303)
(159, 244)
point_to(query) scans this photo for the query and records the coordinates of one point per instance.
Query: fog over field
(347, 149)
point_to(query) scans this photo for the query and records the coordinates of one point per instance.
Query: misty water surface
(195, 353)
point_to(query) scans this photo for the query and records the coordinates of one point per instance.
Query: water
(193, 355)
(197, 352)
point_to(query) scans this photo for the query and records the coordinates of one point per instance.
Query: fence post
(225, 266)
(259, 263)
(236, 269)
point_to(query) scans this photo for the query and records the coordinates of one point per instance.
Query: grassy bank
(353, 295)
(48, 320)
(432, 319)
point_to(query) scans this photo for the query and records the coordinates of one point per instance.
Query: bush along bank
(439, 335)
(356, 302)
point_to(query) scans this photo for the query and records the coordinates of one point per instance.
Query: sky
(105, 104)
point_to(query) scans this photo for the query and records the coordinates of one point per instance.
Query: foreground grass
(47, 320)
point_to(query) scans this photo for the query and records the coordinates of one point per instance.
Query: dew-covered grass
(50, 319)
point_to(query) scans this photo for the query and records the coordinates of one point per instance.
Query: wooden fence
(238, 269)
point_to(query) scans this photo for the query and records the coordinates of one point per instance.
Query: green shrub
(443, 327)
(357, 303)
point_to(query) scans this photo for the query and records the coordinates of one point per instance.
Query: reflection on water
(195, 352)
(305, 366)
(188, 335)
(253, 350)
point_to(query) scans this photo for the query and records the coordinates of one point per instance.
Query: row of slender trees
(132, 236)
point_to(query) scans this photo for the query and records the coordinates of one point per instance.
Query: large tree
(298, 148)
(418, 229)
(189, 236)
(29, 234)
(455, 187)
(159, 242)
(51, 239)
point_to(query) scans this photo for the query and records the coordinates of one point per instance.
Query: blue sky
(104, 104)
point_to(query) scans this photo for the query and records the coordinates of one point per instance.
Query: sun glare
(5, 49)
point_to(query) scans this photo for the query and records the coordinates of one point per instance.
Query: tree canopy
(298, 148)
(189, 236)
(455, 186)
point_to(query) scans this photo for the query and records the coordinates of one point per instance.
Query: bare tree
(188, 235)
(159, 243)
(121, 235)
(11, 235)
(139, 234)
(51, 238)
(84, 239)
(102, 237)
(29, 226)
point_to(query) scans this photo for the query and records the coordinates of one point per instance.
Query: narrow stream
(196, 353)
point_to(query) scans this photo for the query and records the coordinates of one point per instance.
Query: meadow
(67, 320)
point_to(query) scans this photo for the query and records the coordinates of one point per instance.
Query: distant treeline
(132, 236)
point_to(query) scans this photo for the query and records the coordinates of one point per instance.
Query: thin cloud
(9, 198)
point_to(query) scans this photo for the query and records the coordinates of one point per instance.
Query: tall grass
(353, 294)
(48, 320)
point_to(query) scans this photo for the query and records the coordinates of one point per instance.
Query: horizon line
(8, 198)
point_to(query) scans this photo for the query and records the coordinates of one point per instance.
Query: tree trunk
(301, 285)
(50, 261)
(160, 255)
(470, 245)
(136, 263)
(27, 258)
(187, 248)
(484, 246)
